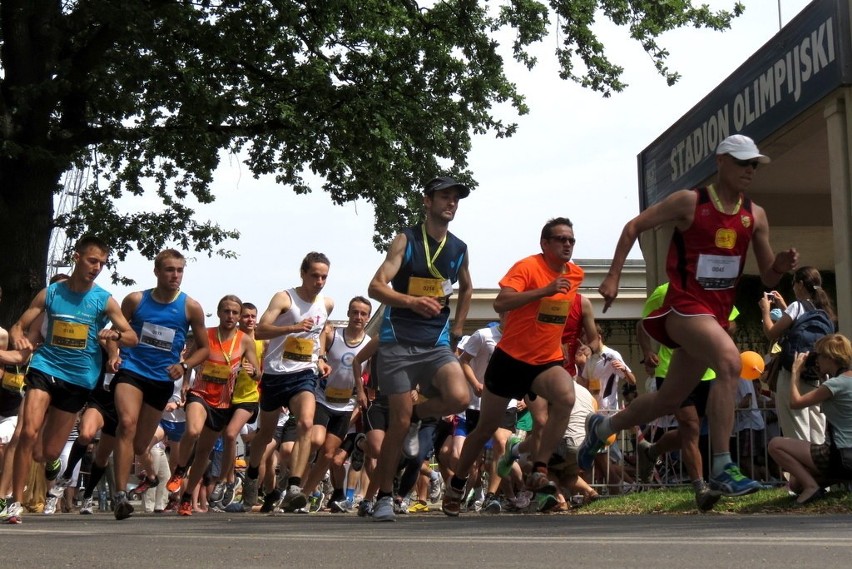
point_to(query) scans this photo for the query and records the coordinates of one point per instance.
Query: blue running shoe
(732, 482)
(592, 444)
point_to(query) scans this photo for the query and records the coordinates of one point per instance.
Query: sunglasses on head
(562, 239)
(745, 163)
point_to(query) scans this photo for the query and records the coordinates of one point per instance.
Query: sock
(383, 494)
(253, 472)
(95, 475)
(350, 494)
(294, 481)
(336, 495)
(186, 497)
(457, 483)
(77, 453)
(434, 475)
(180, 470)
(414, 416)
(720, 461)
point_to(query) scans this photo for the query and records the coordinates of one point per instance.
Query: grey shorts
(401, 368)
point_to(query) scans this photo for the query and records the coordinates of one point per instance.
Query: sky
(574, 155)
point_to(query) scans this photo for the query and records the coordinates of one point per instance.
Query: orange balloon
(752, 365)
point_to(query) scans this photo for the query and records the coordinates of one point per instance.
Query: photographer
(806, 424)
(814, 466)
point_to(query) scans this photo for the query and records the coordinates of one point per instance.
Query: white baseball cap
(741, 147)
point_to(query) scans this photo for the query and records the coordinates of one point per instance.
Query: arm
(17, 331)
(772, 267)
(464, 298)
(678, 207)
(364, 355)
(266, 328)
(773, 330)
(651, 360)
(464, 360)
(589, 328)
(797, 400)
(195, 315)
(121, 332)
(380, 289)
(250, 363)
(326, 338)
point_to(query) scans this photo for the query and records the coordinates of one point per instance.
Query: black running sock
(77, 453)
(457, 483)
(253, 472)
(381, 495)
(337, 495)
(414, 416)
(294, 481)
(95, 475)
(186, 497)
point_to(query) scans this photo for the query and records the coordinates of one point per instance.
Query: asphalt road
(431, 540)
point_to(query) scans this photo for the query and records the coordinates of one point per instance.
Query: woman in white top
(806, 424)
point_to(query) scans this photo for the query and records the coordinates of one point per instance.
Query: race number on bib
(552, 311)
(13, 379)
(717, 272)
(216, 373)
(419, 286)
(158, 337)
(71, 335)
(298, 349)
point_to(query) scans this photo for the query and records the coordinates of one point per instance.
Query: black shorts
(507, 377)
(348, 444)
(217, 419)
(287, 433)
(471, 417)
(64, 396)
(335, 422)
(250, 407)
(102, 401)
(698, 397)
(155, 394)
(378, 415)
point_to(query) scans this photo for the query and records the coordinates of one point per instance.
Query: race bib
(419, 286)
(71, 335)
(216, 373)
(337, 394)
(158, 337)
(552, 311)
(717, 272)
(298, 349)
(594, 384)
(13, 379)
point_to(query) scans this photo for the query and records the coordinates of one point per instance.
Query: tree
(373, 96)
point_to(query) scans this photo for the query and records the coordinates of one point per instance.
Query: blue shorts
(276, 390)
(174, 430)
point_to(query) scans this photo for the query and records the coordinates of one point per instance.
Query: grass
(682, 501)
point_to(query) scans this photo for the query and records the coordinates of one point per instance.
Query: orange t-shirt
(215, 380)
(533, 332)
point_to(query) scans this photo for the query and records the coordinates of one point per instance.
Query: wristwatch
(323, 357)
(184, 366)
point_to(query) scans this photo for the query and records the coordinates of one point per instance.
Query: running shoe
(436, 484)
(294, 499)
(185, 508)
(123, 508)
(271, 501)
(250, 493)
(365, 508)
(173, 485)
(357, 460)
(217, 493)
(732, 482)
(400, 505)
(50, 505)
(539, 482)
(504, 465)
(145, 484)
(340, 506)
(592, 444)
(411, 442)
(705, 498)
(383, 511)
(86, 507)
(228, 495)
(3, 504)
(522, 499)
(451, 504)
(645, 464)
(13, 514)
(546, 502)
(491, 506)
(52, 468)
(59, 486)
(418, 507)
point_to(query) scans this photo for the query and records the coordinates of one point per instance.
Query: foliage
(373, 97)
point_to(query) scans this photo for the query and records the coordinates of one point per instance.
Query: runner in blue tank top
(65, 368)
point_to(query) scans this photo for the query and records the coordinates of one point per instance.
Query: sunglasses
(562, 239)
(745, 163)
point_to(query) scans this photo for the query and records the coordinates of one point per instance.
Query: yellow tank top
(245, 390)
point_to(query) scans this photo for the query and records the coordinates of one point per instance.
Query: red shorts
(680, 303)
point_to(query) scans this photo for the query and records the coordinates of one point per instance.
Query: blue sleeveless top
(404, 326)
(71, 351)
(162, 334)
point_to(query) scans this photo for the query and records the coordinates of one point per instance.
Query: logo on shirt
(726, 238)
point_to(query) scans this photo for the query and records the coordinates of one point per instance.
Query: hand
(248, 368)
(363, 402)
(560, 284)
(305, 325)
(425, 306)
(477, 389)
(608, 290)
(765, 303)
(170, 406)
(175, 371)
(651, 363)
(798, 362)
(23, 344)
(786, 261)
(323, 368)
(113, 364)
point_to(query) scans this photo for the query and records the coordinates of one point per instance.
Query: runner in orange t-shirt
(537, 293)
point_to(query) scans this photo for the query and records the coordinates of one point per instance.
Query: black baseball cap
(444, 182)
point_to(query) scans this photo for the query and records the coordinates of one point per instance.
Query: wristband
(184, 366)
(323, 357)
(776, 271)
(117, 338)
